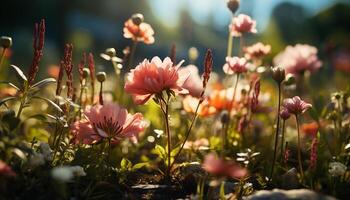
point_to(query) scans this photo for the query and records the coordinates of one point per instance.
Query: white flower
(336, 169)
(62, 173)
(36, 160)
(66, 173)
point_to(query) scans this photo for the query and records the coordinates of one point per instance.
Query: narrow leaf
(50, 102)
(19, 73)
(44, 83)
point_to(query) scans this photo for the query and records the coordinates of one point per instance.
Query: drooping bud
(137, 18)
(233, 5)
(284, 114)
(101, 76)
(278, 74)
(5, 42)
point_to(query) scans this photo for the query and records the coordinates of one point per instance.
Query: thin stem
(188, 132)
(234, 94)
(282, 140)
(277, 131)
(2, 56)
(132, 53)
(299, 150)
(241, 46)
(165, 110)
(229, 45)
(101, 93)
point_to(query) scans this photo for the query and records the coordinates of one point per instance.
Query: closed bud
(137, 18)
(233, 5)
(111, 52)
(86, 73)
(6, 42)
(278, 74)
(101, 76)
(224, 117)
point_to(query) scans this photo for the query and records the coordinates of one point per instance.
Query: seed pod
(101, 76)
(137, 18)
(233, 5)
(6, 42)
(278, 74)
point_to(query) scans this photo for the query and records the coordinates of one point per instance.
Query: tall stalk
(299, 150)
(282, 139)
(229, 45)
(277, 131)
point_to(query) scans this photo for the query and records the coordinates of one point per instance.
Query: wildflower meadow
(181, 126)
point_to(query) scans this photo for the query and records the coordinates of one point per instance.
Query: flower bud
(101, 76)
(284, 114)
(137, 18)
(86, 73)
(233, 5)
(278, 74)
(6, 42)
(111, 52)
(224, 117)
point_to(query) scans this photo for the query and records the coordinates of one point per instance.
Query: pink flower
(296, 106)
(257, 51)
(297, 59)
(5, 170)
(193, 83)
(284, 114)
(242, 24)
(151, 78)
(138, 33)
(220, 167)
(235, 65)
(107, 121)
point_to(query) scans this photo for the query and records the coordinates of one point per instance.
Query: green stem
(188, 132)
(229, 45)
(241, 46)
(282, 140)
(299, 150)
(132, 53)
(234, 94)
(165, 110)
(277, 131)
(2, 56)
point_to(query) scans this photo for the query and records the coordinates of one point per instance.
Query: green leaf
(139, 165)
(43, 83)
(50, 102)
(19, 73)
(125, 164)
(175, 151)
(10, 84)
(222, 191)
(160, 151)
(4, 100)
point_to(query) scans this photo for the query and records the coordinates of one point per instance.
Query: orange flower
(138, 33)
(190, 104)
(7, 91)
(221, 99)
(310, 129)
(53, 71)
